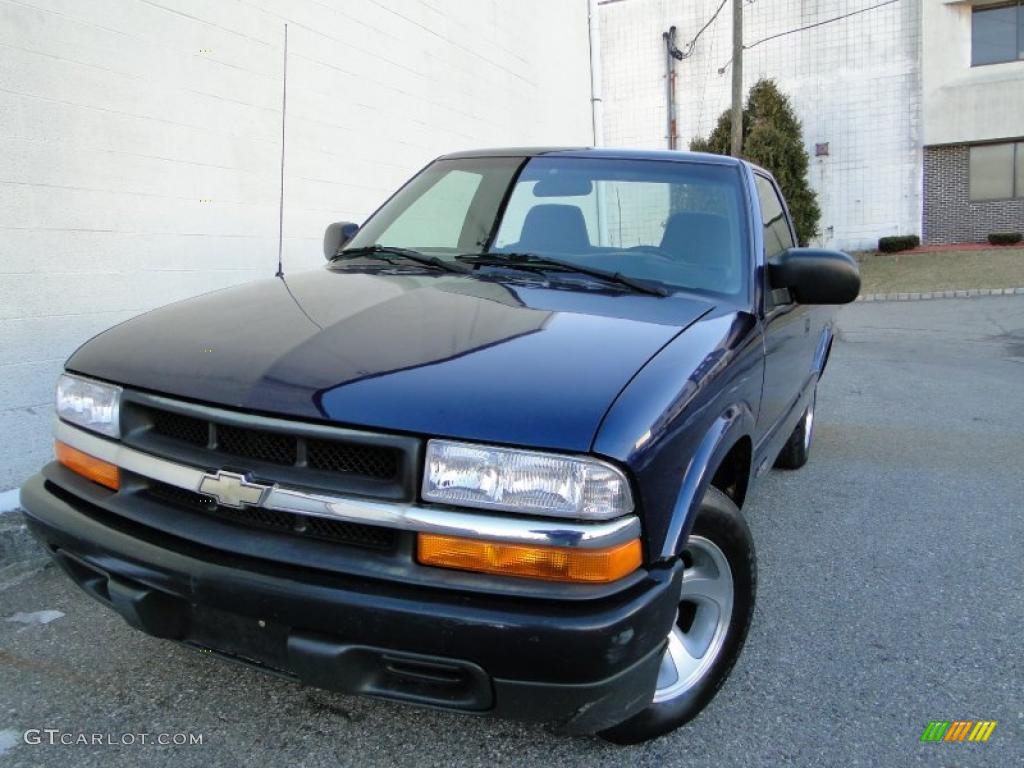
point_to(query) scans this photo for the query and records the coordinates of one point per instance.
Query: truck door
(788, 343)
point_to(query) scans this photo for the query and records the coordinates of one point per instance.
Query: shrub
(896, 243)
(772, 138)
(1005, 238)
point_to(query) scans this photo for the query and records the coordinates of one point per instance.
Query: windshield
(678, 224)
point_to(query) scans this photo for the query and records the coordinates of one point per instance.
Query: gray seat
(553, 228)
(702, 239)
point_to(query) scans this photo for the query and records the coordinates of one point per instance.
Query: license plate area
(254, 640)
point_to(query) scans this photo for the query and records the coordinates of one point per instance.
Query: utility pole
(736, 145)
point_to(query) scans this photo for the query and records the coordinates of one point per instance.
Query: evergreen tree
(773, 139)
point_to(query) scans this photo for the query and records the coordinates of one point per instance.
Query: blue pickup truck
(492, 457)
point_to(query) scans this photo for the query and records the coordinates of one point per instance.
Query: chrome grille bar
(409, 517)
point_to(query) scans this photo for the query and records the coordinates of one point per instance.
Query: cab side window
(778, 235)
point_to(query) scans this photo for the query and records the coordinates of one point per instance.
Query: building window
(997, 171)
(997, 34)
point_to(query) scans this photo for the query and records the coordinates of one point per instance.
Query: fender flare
(823, 351)
(734, 423)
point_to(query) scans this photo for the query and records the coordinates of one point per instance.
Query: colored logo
(958, 730)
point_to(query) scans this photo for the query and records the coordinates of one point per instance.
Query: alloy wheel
(705, 610)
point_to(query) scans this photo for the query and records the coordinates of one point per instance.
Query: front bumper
(584, 665)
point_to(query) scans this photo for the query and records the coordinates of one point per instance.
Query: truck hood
(518, 362)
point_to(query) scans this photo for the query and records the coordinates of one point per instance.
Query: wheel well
(733, 473)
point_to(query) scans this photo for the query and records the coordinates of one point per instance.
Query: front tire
(797, 450)
(715, 610)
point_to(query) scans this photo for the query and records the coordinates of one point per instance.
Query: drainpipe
(596, 104)
(672, 53)
(597, 112)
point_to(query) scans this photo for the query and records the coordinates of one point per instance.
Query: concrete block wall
(950, 216)
(855, 84)
(140, 147)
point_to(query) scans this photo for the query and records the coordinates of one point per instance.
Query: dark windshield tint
(676, 223)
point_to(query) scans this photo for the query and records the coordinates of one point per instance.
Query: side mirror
(337, 234)
(816, 276)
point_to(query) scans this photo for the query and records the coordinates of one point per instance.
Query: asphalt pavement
(890, 595)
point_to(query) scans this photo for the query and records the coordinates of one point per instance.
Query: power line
(821, 23)
(687, 50)
(704, 86)
(721, 70)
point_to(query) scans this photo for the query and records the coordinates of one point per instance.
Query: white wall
(963, 103)
(119, 119)
(854, 84)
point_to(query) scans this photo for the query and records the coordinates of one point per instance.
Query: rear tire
(797, 450)
(716, 606)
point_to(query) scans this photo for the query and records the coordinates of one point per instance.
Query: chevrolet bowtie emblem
(232, 489)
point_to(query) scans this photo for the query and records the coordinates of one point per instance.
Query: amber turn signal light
(98, 471)
(588, 566)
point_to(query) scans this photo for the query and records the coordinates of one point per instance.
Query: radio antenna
(280, 211)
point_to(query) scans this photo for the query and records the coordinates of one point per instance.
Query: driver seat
(553, 228)
(702, 239)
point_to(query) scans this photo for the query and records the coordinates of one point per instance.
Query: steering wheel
(707, 272)
(675, 259)
(656, 251)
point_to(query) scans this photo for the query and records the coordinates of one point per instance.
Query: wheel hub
(696, 640)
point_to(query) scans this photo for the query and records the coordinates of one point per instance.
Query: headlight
(89, 404)
(524, 481)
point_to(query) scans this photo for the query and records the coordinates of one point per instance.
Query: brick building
(912, 110)
(972, 61)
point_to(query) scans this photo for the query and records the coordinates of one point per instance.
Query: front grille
(229, 445)
(254, 444)
(177, 426)
(354, 534)
(368, 461)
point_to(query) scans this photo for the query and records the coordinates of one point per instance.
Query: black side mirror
(816, 276)
(337, 234)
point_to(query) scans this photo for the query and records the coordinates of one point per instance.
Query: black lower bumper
(585, 665)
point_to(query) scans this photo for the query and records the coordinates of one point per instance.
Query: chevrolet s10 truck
(492, 457)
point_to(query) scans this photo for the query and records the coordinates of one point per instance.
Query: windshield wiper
(385, 251)
(535, 263)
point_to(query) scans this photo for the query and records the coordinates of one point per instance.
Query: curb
(20, 554)
(927, 295)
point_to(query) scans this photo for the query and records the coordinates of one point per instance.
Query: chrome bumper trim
(408, 517)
